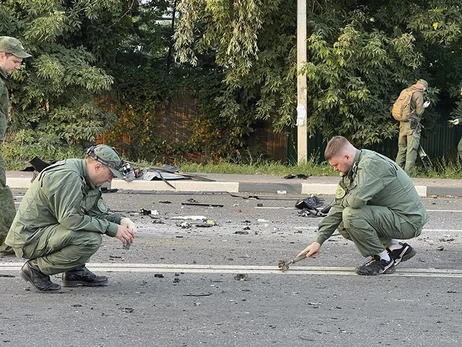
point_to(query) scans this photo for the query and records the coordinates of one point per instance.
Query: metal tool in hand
(283, 265)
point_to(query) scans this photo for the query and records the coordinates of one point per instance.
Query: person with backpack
(458, 121)
(408, 110)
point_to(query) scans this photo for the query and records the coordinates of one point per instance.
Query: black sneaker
(376, 266)
(404, 253)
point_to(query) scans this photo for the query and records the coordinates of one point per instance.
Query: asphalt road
(185, 285)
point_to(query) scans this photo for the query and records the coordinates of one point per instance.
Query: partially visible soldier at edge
(458, 121)
(409, 131)
(11, 55)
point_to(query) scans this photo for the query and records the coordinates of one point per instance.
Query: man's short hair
(334, 146)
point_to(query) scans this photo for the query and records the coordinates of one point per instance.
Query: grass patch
(17, 154)
(268, 168)
(449, 168)
(443, 168)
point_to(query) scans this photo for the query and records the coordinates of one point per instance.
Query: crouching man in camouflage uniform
(62, 217)
(376, 206)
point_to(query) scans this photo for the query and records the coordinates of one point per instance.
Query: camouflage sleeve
(418, 100)
(113, 217)
(372, 177)
(3, 110)
(65, 200)
(101, 211)
(330, 222)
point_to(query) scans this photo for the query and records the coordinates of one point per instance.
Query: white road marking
(276, 208)
(295, 208)
(423, 230)
(248, 269)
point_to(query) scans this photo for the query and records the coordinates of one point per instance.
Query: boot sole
(83, 284)
(387, 271)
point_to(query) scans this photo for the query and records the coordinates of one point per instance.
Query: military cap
(107, 156)
(423, 82)
(14, 46)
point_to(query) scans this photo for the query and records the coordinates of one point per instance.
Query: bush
(26, 144)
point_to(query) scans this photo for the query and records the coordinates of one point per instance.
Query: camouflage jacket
(62, 194)
(4, 100)
(417, 101)
(374, 180)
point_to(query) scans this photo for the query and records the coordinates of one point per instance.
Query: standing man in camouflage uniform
(409, 131)
(376, 206)
(11, 55)
(458, 121)
(62, 217)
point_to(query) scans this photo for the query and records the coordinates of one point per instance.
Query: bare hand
(426, 104)
(128, 223)
(124, 234)
(310, 251)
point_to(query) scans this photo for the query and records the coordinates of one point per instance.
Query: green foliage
(309, 168)
(360, 56)
(354, 72)
(57, 95)
(231, 26)
(98, 63)
(445, 167)
(26, 144)
(258, 80)
(147, 80)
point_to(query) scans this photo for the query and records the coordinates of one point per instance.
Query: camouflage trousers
(372, 228)
(58, 249)
(7, 208)
(459, 149)
(408, 146)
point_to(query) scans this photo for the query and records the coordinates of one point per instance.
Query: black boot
(31, 273)
(81, 276)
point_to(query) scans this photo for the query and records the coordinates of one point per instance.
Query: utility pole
(302, 135)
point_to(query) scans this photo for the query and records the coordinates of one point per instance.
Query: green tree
(253, 43)
(146, 79)
(58, 95)
(360, 55)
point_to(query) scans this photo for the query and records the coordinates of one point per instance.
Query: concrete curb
(183, 186)
(329, 189)
(250, 184)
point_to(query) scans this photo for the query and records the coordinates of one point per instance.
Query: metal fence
(439, 142)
